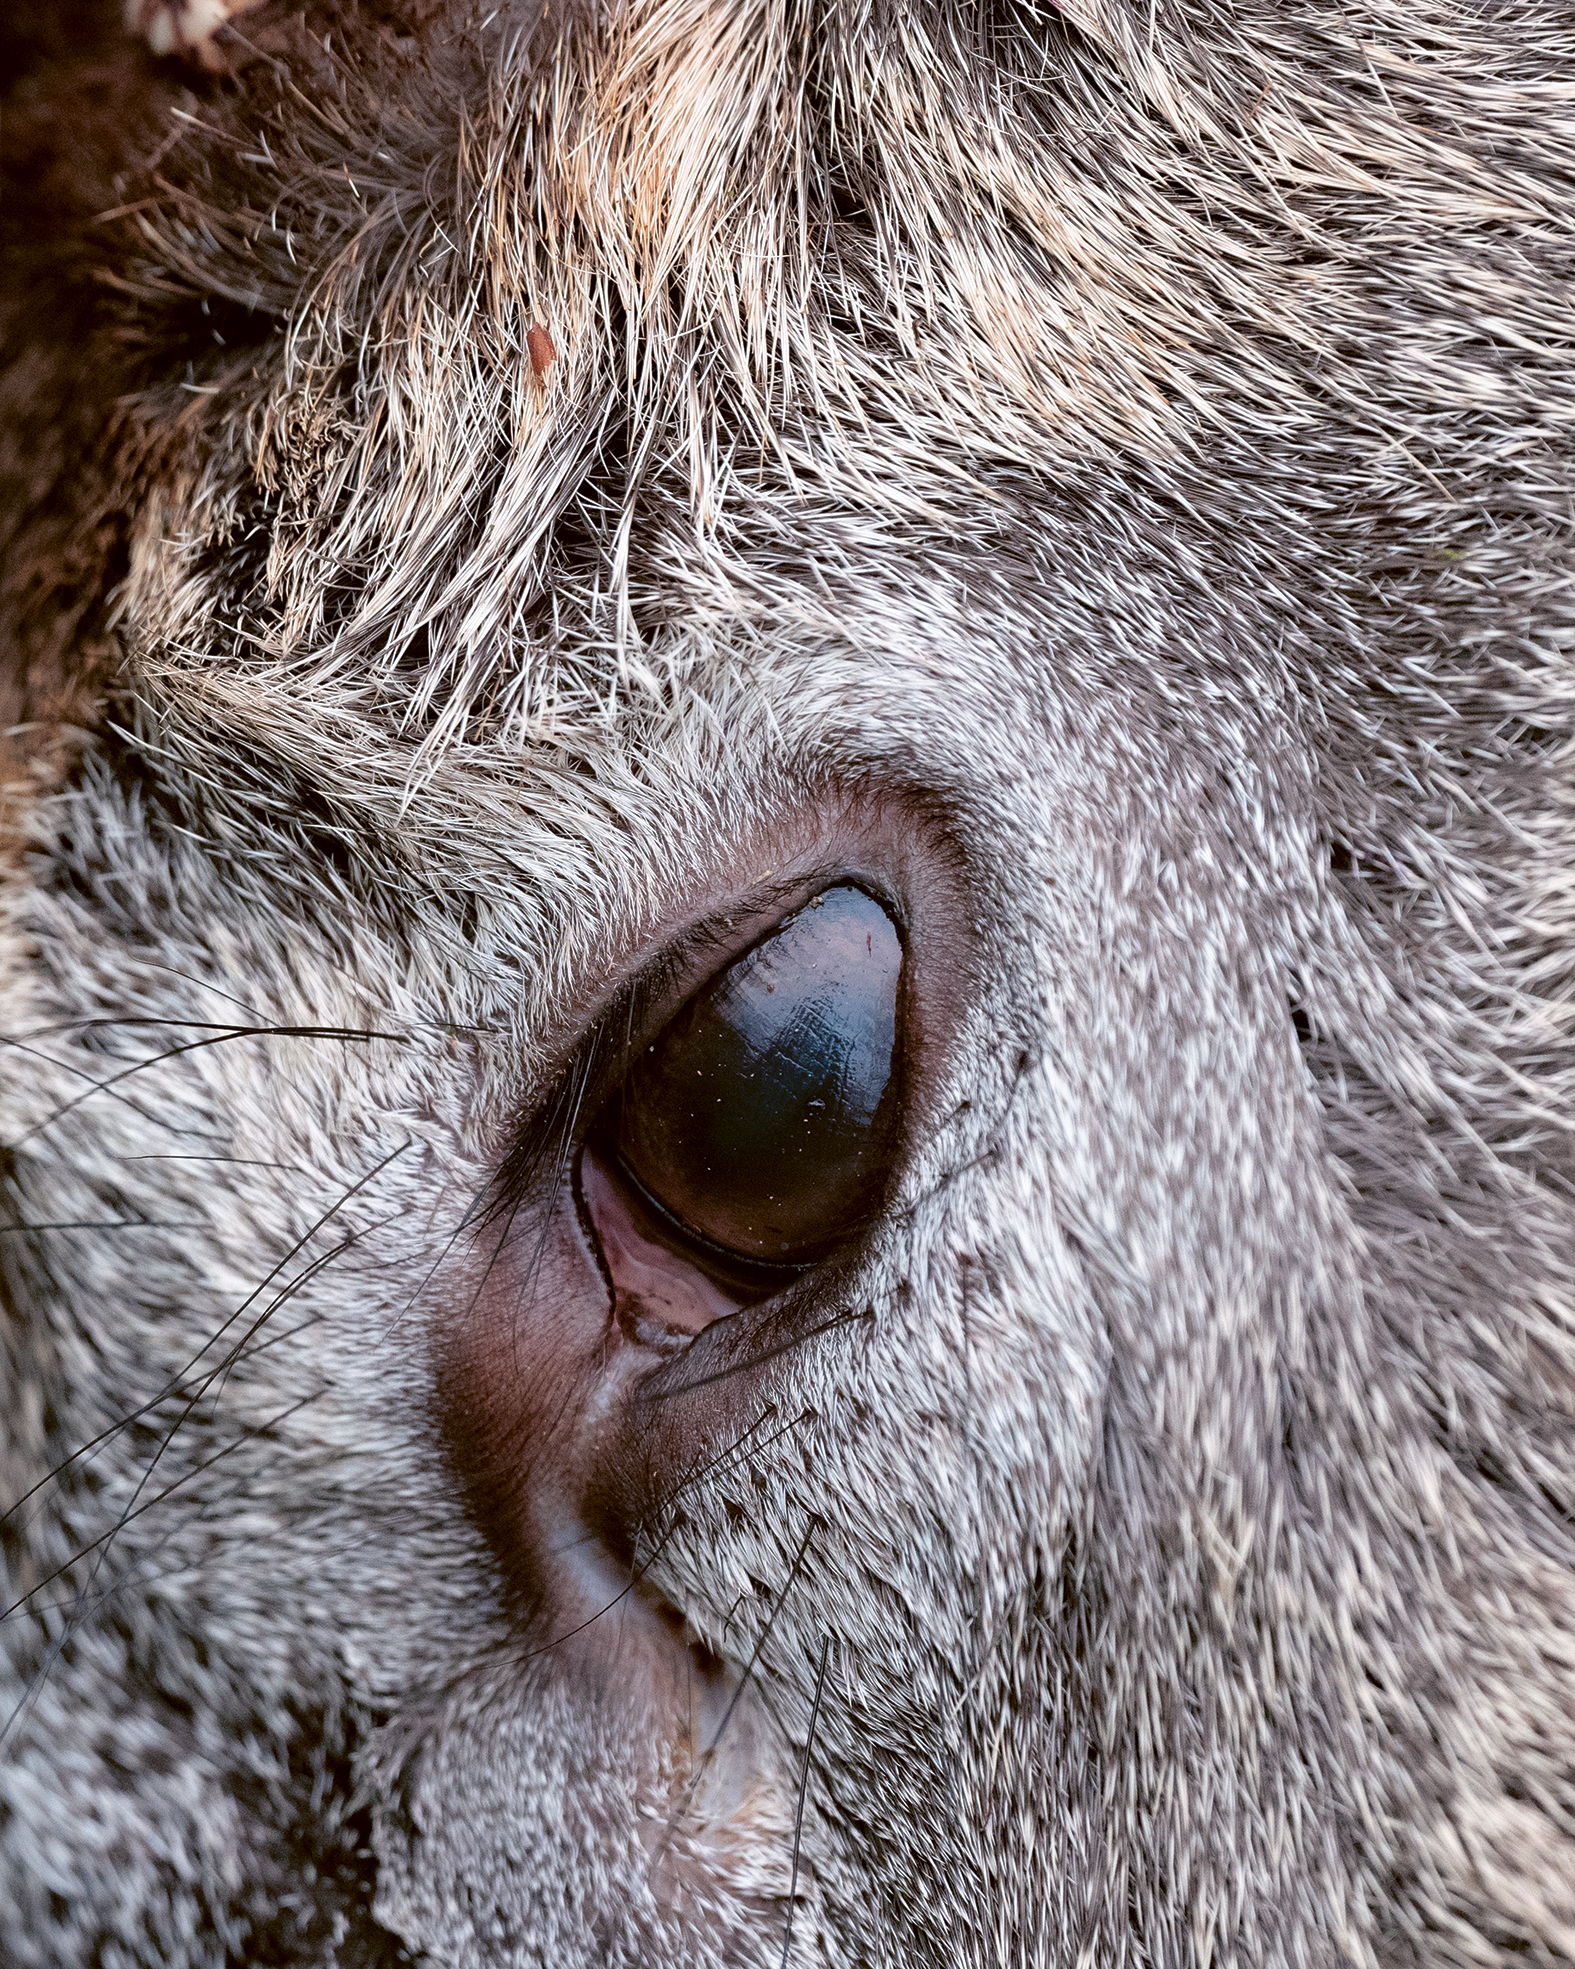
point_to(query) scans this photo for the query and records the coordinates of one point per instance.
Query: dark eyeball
(764, 1118)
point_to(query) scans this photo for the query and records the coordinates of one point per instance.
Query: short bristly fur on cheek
(513, 502)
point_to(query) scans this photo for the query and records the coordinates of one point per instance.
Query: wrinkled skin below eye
(573, 1418)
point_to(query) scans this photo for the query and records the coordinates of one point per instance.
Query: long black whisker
(617, 1600)
(693, 1477)
(803, 1787)
(144, 1570)
(218, 1373)
(223, 1369)
(755, 1360)
(81, 1073)
(240, 1161)
(174, 1385)
(156, 1019)
(472, 1209)
(100, 1020)
(250, 1354)
(302, 1326)
(727, 1715)
(765, 1635)
(107, 1224)
(640, 1570)
(687, 1482)
(135, 1510)
(83, 1609)
(344, 1034)
(732, 1449)
(203, 984)
(103, 1542)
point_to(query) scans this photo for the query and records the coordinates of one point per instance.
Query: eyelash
(549, 1137)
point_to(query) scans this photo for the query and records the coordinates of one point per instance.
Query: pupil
(764, 1117)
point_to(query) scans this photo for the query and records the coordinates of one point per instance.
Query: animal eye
(763, 1120)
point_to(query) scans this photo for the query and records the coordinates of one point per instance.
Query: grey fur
(1138, 438)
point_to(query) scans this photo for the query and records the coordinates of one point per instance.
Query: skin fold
(506, 507)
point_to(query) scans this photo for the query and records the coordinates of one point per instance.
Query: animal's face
(789, 1088)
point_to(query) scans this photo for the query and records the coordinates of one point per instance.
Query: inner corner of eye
(757, 1131)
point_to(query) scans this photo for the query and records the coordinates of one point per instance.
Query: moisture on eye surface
(765, 1115)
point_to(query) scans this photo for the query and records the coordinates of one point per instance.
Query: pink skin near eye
(653, 1288)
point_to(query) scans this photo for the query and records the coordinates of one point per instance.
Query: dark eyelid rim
(552, 1133)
